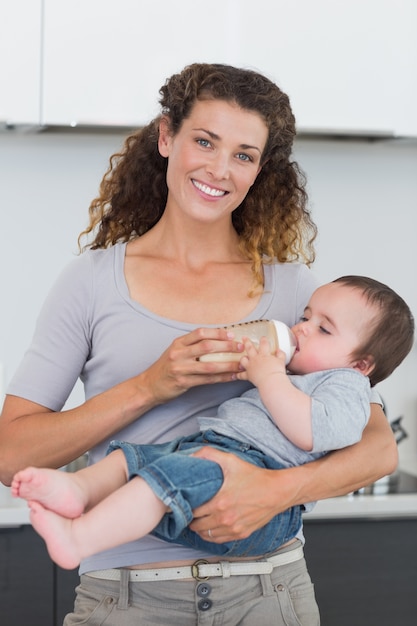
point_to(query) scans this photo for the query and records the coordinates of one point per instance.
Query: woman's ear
(164, 139)
(365, 366)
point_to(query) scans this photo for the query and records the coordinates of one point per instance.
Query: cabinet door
(364, 571)
(65, 583)
(347, 66)
(20, 61)
(26, 579)
(105, 61)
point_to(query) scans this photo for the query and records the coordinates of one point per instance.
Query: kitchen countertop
(393, 496)
(13, 511)
(365, 506)
(353, 506)
(344, 507)
(12, 516)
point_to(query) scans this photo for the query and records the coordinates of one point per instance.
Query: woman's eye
(244, 157)
(324, 330)
(203, 142)
(303, 318)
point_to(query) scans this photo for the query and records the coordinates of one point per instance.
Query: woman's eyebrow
(246, 146)
(209, 133)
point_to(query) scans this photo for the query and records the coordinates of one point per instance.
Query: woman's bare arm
(251, 496)
(31, 434)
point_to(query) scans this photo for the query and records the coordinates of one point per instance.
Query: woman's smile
(210, 191)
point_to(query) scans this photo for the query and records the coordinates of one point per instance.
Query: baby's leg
(127, 514)
(69, 494)
(56, 530)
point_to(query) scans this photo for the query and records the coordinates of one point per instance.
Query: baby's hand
(258, 362)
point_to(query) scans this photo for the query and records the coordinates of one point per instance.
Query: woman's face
(213, 159)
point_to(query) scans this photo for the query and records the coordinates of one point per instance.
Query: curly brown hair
(273, 221)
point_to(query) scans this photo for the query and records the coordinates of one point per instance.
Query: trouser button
(203, 590)
(205, 605)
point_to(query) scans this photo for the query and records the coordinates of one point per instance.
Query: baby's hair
(391, 335)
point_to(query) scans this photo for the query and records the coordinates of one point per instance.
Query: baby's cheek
(305, 362)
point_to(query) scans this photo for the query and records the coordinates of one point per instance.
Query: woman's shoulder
(97, 262)
(288, 288)
(293, 274)
(104, 256)
(80, 279)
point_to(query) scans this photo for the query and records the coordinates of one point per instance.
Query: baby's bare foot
(57, 534)
(56, 490)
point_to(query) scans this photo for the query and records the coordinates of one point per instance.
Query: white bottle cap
(286, 339)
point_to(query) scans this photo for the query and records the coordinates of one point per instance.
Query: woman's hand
(244, 503)
(179, 367)
(251, 496)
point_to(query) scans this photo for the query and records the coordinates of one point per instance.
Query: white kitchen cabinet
(105, 61)
(348, 66)
(20, 61)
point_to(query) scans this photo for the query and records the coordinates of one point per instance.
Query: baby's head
(390, 335)
(354, 322)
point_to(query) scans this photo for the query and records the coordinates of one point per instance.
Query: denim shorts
(184, 482)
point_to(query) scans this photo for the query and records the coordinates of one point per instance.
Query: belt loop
(225, 565)
(266, 583)
(123, 602)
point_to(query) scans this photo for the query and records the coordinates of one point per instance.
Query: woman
(198, 224)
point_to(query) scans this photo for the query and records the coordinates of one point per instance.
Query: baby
(355, 331)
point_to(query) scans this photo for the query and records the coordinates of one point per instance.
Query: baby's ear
(365, 365)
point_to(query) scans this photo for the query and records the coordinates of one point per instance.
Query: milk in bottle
(277, 333)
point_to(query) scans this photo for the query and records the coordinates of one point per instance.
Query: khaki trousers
(283, 598)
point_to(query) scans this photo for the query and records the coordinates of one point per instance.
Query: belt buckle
(194, 570)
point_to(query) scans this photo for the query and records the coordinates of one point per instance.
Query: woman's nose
(218, 166)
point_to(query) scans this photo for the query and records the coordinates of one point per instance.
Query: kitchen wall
(363, 197)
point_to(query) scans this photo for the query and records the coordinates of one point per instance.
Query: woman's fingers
(242, 505)
(179, 367)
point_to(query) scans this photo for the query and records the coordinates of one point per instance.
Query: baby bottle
(277, 333)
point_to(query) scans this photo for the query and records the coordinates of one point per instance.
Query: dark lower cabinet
(65, 583)
(365, 571)
(26, 579)
(33, 590)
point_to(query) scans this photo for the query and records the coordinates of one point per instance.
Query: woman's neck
(195, 275)
(191, 244)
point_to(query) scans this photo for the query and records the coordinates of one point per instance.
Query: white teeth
(208, 190)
